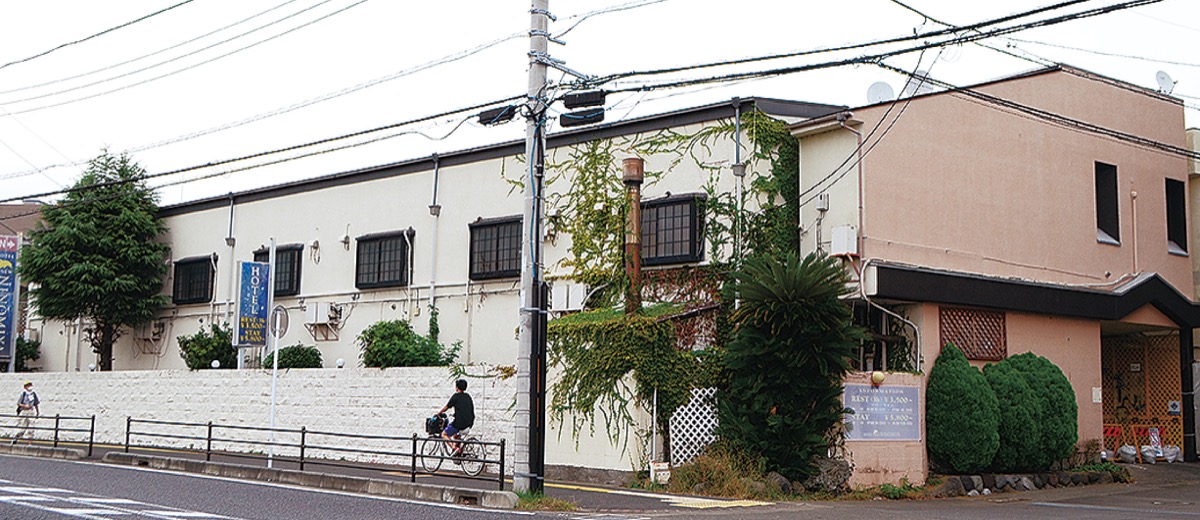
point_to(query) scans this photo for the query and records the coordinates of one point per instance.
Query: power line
(336, 94)
(1103, 53)
(144, 56)
(327, 140)
(874, 43)
(878, 57)
(190, 67)
(296, 106)
(101, 33)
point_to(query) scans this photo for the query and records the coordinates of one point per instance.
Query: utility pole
(529, 448)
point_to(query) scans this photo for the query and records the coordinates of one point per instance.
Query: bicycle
(435, 449)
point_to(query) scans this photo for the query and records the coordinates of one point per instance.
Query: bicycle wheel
(473, 457)
(431, 454)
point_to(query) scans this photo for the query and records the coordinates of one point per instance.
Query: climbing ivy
(607, 360)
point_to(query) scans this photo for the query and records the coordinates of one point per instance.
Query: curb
(387, 488)
(41, 451)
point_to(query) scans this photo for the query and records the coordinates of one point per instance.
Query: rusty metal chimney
(633, 176)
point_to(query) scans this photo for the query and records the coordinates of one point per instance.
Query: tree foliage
(962, 417)
(295, 356)
(200, 349)
(394, 344)
(97, 256)
(1057, 412)
(27, 350)
(786, 363)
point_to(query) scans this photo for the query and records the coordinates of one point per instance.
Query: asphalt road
(51, 489)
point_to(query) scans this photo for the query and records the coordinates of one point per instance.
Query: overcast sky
(212, 80)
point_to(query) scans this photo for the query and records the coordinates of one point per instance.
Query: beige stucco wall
(960, 185)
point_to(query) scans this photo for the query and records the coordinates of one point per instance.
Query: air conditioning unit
(317, 313)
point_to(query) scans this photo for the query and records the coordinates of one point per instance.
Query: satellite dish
(917, 84)
(879, 92)
(1165, 83)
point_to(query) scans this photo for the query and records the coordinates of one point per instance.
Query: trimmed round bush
(1058, 413)
(294, 356)
(1020, 431)
(962, 417)
(200, 349)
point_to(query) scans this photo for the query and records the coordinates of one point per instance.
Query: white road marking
(1119, 509)
(84, 513)
(181, 514)
(101, 500)
(26, 499)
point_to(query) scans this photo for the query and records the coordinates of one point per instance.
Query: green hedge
(200, 349)
(962, 414)
(1020, 429)
(295, 356)
(1058, 414)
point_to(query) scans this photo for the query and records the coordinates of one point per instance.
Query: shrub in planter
(294, 356)
(1058, 414)
(200, 349)
(27, 350)
(1020, 430)
(962, 417)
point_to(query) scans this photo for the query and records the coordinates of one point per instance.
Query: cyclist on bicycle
(464, 413)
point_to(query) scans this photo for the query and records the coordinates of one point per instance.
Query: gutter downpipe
(842, 117)
(435, 211)
(230, 241)
(738, 166)
(862, 290)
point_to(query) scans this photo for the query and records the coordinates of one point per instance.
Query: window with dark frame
(1177, 217)
(193, 280)
(382, 260)
(673, 230)
(1108, 221)
(495, 248)
(287, 267)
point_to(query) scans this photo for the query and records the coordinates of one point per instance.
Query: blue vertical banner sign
(9, 309)
(253, 304)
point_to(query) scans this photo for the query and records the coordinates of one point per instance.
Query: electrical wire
(873, 43)
(280, 150)
(878, 57)
(144, 56)
(101, 33)
(1103, 53)
(189, 67)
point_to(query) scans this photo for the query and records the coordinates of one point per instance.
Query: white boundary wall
(367, 401)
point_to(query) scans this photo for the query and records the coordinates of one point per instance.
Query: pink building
(1046, 213)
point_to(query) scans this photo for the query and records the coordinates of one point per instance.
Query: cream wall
(482, 315)
(960, 185)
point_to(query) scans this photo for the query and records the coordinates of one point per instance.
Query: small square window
(1177, 217)
(194, 280)
(383, 260)
(673, 230)
(287, 267)
(495, 248)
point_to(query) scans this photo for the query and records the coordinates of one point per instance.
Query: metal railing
(298, 446)
(60, 426)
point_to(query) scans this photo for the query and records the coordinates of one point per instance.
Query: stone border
(41, 451)
(987, 484)
(388, 488)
